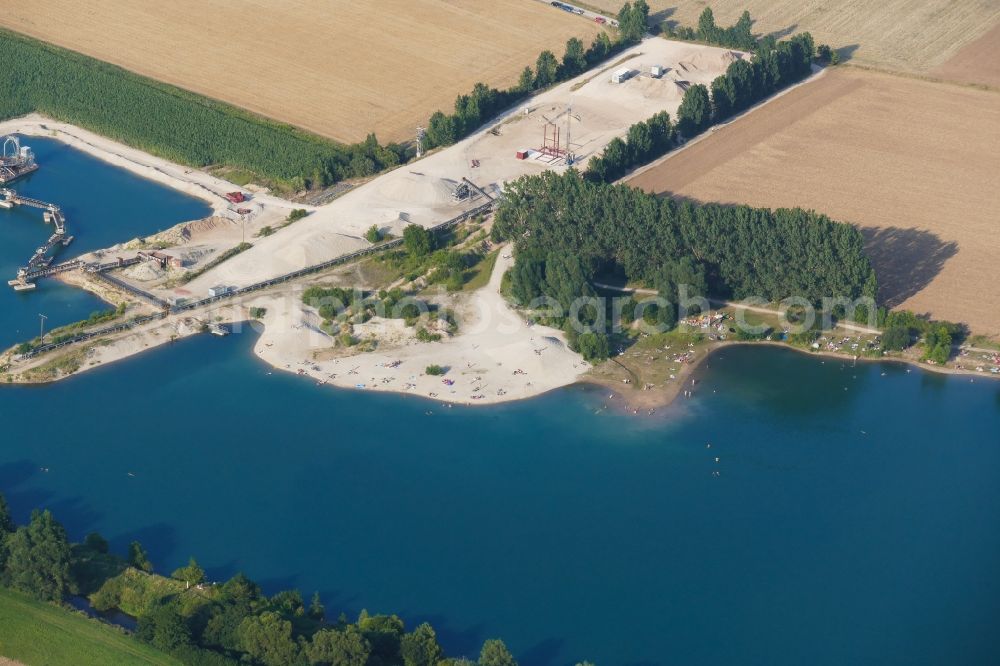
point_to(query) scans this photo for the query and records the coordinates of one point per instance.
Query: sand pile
(187, 231)
(728, 58)
(409, 187)
(207, 226)
(147, 271)
(651, 88)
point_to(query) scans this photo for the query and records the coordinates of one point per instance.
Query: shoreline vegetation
(184, 618)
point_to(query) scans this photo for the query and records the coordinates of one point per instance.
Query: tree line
(773, 66)
(212, 625)
(737, 36)
(645, 141)
(172, 123)
(568, 229)
(484, 102)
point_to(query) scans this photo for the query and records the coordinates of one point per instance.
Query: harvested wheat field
(977, 62)
(913, 163)
(904, 35)
(339, 68)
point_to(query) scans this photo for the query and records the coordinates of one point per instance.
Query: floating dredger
(15, 160)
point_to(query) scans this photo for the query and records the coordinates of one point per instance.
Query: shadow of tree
(657, 18)
(543, 653)
(467, 641)
(159, 540)
(784, 32)
(847, 52)
(905, 260)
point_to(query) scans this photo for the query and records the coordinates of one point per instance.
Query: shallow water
(104, 205)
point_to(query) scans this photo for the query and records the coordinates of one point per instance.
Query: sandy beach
(191, 181)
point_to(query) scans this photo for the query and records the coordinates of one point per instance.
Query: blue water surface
(853, 518)
(103, 204)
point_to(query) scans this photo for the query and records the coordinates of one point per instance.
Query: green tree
(339, 647)
(695, 112)
(526, 82)
(707, 30)
(192, 574)
(593, 346)
(495, 653)
(267, 638)
(632, 21)
(316, 609)
(7, 528)
(599, 48)
(418, 241)
(723, 98)
(374, 234)
(96, 543)
(138, 558)
(384, 632)
(546, 69)
(615, 158)
(527, 276)
(566, 281)
(826, 55)
(164, 628)
(574, 60)
(640, 143)
(937, 344)
(420, 647)
(896, 338)
(38, 558)
(6, 520)
(441, 130)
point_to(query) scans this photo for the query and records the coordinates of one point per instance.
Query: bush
(593, 346)
(435, 370)
(418, 241)
(373, 235)
(896, 338)
(426, 336)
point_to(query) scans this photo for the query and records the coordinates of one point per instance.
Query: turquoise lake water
(104, 205)
(854, 518)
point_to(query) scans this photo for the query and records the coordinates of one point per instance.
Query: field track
(339, 68)
(902, 35)
(913, 163)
